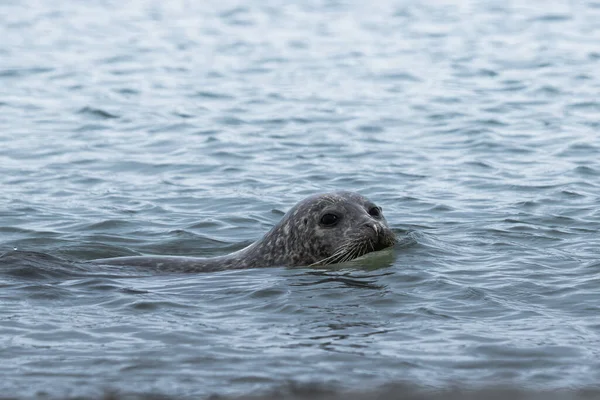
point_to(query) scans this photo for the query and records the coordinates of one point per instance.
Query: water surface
(189, 128)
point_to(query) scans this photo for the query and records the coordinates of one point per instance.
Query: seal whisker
(356, 253)
(351, 247)
(346, 256)
(345, 253)
(353, 253)
(325, 261)
(349, 253)
(364, 249)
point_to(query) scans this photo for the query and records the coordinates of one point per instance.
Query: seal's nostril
(373, 226)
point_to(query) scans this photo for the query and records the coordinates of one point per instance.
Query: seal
(322, 229)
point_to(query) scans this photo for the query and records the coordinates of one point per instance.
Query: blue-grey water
(189, 128)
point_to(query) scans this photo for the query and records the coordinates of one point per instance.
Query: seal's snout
(374, 227)
(380, 236)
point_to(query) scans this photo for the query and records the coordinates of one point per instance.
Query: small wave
(97, 113)
(36, 266)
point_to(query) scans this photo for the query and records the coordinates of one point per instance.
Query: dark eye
(375, 212)
(329, 219)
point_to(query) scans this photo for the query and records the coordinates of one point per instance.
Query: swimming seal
(320, 230)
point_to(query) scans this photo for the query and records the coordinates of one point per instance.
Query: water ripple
(150, 127)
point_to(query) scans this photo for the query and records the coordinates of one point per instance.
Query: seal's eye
(375, 212)
(329, 219)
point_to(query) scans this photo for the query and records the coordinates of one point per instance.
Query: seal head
(326, 229)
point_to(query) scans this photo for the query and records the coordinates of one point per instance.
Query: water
(189, 128)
